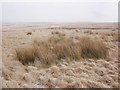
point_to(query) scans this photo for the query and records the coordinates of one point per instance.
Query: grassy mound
(57, 48)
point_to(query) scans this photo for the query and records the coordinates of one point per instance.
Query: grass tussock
(26, 54)
(65, 49)
(89, 32)
(116, 36)
(29, 33)
(91, 48)
(44, 53)
(56, 48)
(60, 34)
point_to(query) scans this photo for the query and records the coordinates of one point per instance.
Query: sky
(59, 12)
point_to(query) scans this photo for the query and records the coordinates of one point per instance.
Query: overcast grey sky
(60, 12)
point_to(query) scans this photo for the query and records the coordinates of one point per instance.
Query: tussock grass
(26, 54)
(91, 48)
(116, 36)
(66, 48)
(58, 33)
(29, 33)
(56, 48)
(89, 32)
(44, 53)
(77, 31)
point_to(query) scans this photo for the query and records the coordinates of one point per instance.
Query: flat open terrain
(83, 73)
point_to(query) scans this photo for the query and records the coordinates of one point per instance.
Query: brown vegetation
(57, 48)
(89, 32)
(92, 48)
(57, 33)
(87, 72)
(26, 54)
(29, 33)
(116, 36)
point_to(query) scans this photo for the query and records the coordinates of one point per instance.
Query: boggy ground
(83, 73)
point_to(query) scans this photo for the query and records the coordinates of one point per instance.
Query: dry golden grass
(91, 48)
(44, 53)
(29, 33)
(89, 32)
(85, 73)
(57, 48)
(116, 37)
(26, 54)
(58, 33)
(54, 32)
(65, 49)
(77, 31)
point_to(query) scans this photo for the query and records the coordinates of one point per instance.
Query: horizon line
(66, 22)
